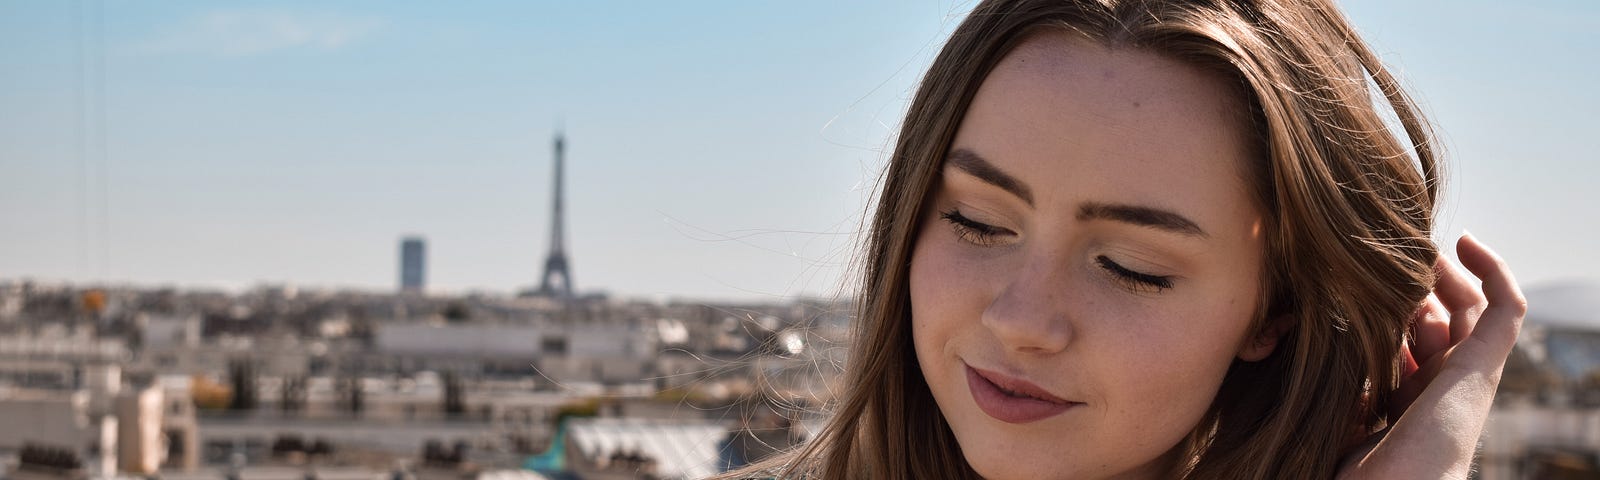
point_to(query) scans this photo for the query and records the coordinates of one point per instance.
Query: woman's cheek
(1171, 361)
(934, 288)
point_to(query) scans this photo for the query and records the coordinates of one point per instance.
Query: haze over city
(715, 150)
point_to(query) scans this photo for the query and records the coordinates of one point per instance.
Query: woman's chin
(994, 464)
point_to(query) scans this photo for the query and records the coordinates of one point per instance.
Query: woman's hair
(1348, 208)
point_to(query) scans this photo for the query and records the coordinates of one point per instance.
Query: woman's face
(1089, 264)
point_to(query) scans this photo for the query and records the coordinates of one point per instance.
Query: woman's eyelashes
(983, 234)
(973, 231)
(1132, 280)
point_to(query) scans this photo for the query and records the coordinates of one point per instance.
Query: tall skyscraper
(413, 273)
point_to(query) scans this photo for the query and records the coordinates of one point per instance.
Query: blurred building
(104, 426)
(413, 258)
(1546, 419)
(628, 448)
(140, 446)
(287, 382)
(58, 418)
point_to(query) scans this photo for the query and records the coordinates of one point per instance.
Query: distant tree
(94, 303)
(49, 456)
(456, 312)
(287, 443)
(354, 399)
(293, 394)
(453, 405)
(1586, 392)
(135, 340)
(458, 452)
(208, 394)
(320, 446)
(433, 452)
(363, 329)
(242, 375)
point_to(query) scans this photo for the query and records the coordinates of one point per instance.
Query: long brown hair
(1349, 207)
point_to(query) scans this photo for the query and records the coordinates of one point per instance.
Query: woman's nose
(1031, 313)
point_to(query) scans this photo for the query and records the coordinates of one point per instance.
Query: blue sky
(715, 149)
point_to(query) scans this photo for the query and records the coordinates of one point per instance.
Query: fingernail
(1467, 233)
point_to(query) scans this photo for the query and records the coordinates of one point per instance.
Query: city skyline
(720, 151)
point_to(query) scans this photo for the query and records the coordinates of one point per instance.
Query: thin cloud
(238, 33)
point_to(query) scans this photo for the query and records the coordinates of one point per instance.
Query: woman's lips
(1013, 400)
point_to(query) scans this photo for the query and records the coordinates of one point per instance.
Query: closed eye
(973, 231)
(1132, 280)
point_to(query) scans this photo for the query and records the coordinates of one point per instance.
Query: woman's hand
(1463, 336)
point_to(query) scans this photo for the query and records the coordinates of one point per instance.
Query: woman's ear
(1259, 346)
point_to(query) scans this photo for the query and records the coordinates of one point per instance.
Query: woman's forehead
(1120, 111)
(1112, 83)
(1076, 122)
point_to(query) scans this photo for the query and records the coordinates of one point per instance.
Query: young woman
(1163, 239)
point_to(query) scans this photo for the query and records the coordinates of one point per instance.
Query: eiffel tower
(556, 265)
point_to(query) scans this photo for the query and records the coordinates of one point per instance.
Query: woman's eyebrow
(974, 164)
(1141, 216)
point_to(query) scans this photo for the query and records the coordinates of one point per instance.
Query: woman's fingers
(1431, 328)
(1421, 359)
(1502, 315)
(1436, 435)
(1459, 296)
(1438, 328)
